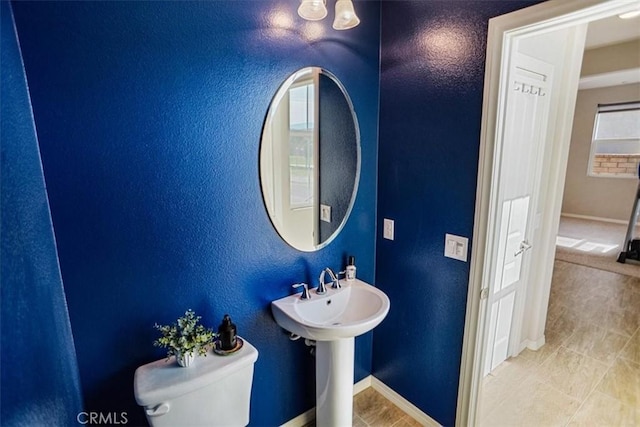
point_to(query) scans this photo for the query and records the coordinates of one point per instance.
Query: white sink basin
(340, 313)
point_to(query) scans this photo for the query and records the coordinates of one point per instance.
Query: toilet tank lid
(164, 380)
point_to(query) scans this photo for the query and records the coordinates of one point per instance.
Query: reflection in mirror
(310, 159)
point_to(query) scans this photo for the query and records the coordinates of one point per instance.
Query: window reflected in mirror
(309, 159)
(301, 145)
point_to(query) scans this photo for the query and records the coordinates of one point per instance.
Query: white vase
(185, 360)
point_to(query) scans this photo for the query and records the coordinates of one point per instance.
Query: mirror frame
(275, 101)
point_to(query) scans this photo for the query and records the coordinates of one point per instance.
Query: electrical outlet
(325, 213)
(388, 231)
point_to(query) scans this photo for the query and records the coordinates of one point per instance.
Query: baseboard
(594, 218)
(532, 345)
(362, 384)
(310, 415)
(302, 419)
(403, 403)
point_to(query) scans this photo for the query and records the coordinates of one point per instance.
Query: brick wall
(616, 164)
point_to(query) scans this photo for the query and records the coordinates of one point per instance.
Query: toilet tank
(214, 391)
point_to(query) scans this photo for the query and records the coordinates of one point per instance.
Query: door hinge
(484, 293)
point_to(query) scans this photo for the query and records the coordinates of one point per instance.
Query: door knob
(524, 246)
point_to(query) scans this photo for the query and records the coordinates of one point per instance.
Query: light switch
(456, 247)
(388, 231)
(325, 213)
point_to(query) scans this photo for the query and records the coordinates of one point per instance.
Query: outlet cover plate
(325, 213)
(388, 230)
(456, 247)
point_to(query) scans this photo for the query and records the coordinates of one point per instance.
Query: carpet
(595, 244)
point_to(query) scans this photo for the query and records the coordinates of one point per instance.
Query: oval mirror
(310, 159)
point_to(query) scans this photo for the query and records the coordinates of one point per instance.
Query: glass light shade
(312, 10)
(345, 16)
(630, 15)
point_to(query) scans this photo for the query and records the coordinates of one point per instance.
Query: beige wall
(595, 196)
(606, 59)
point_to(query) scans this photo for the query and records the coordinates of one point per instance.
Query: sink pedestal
(334, 382)
(333, 320)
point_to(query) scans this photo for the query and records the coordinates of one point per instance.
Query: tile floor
(371, 409)
(588, 372)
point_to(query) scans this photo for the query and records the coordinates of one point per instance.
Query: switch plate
(388, 231)
(325, 213)
(456, 247)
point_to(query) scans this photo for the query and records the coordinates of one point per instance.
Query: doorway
(504, 32)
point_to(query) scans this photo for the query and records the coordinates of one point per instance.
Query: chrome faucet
(335, 283)
(305, 290)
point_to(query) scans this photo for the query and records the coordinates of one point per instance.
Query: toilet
(215, 391)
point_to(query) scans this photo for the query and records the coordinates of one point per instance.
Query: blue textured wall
(40, 384)
(149, 116)
(432, 71)
(338, 155)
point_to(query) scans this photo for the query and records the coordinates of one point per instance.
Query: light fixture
(314, 10)
(345, 16)
(629, 15)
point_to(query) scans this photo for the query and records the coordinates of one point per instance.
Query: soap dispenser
(350, 271)
(227, 334)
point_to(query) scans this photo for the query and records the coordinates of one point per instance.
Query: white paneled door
(522, 132)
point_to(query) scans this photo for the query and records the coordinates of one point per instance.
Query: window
(301, 147)
(615, 148)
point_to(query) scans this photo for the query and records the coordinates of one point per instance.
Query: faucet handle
(305, 290)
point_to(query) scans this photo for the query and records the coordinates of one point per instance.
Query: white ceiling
(611, 31)
(606, 32)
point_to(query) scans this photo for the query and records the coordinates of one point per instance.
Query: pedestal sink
(333, 320)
